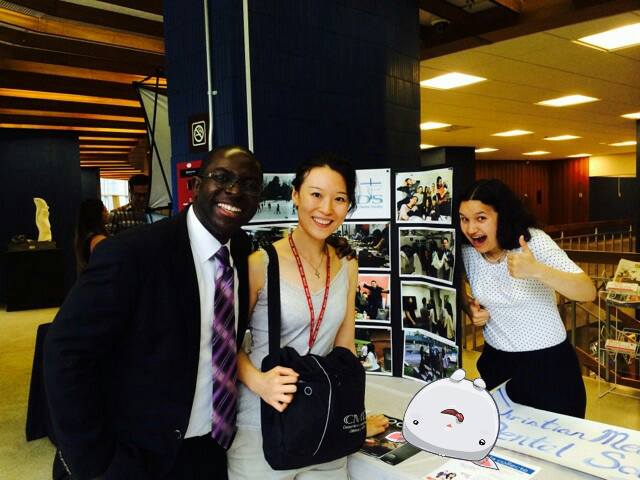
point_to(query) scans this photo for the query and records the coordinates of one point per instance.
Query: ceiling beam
(69, 107)
(513, 5)
(72, 72)
(67, 59)
(52, 83)
(446, 10)
(149, 6)
(77, 122)
(53, 26)
(149, 62)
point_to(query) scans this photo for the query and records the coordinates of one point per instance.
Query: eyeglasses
(226, 180)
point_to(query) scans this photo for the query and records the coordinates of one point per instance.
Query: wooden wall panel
(550, 189)
(569, 191)
(530, 180)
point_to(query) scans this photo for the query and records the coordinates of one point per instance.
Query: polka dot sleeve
(548, 252)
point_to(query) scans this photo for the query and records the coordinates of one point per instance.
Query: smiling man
(140, 362)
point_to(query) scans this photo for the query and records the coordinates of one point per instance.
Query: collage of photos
(373, 348)
(429, 308)
(427, 253)
(424, 197)
(275, 201)
(372, 298)
(428, 357)
(371, 243)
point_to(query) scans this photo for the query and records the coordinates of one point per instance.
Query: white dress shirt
(203, 247)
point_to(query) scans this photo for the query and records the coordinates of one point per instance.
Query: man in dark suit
(130, 360)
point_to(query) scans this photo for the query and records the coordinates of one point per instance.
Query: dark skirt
(548, 379)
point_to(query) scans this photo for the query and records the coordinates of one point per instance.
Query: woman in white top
(323, 192)
(514, 271)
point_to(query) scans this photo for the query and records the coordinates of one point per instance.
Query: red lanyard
(314, 327)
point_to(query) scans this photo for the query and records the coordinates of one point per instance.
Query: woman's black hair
(513, 217)
(334, 162)
(90, 222)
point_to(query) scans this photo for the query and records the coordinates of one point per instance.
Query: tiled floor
(20, 459)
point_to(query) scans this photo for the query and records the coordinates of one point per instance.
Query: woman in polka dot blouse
(514, 271)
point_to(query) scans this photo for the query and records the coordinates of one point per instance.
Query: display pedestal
(34, 279)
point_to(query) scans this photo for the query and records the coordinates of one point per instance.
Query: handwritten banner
(595, 448)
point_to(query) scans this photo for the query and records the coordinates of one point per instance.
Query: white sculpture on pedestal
(42, 220)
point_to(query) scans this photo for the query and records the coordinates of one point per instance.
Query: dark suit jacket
(121, 357)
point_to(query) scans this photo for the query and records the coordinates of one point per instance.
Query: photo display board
(406, 306)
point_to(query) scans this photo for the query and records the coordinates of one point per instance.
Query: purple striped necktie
(223, 348)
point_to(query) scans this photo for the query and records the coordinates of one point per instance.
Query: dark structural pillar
(637, 189)
(325, 75)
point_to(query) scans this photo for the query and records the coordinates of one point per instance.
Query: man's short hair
(225, 149)
(138, 179)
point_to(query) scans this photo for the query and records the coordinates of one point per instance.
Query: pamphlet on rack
(390, 446)
(508, 469)
(625, 287)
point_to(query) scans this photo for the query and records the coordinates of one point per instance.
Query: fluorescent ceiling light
(579, 155)
(559, 138)
(486, 150)
(512, 133)
(451, 80)
(567, 100)
(433, 125)
(621, 37)
(623, 144)
(424, 146)
(536, 152)
(632, 116)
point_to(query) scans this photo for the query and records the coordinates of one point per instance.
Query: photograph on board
(275, 199)
(372, 298)
(373, 348)
(263, 235)
(428, 357)
(427, 253)
(371, 243)
(429, 307)
(373, 194)
(424, 197)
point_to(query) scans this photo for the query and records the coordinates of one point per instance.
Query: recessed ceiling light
(536, 152)
(512, 133)
(567, 100)
(424, 146)
(451, 80)
(579, 155)
(632, 116)
(559, 138)
(433, 125)
(623, 144)
(621, 37)
(486, 150)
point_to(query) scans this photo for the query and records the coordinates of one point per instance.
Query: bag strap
(273, 293)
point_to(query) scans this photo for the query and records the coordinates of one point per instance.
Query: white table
(390, 395)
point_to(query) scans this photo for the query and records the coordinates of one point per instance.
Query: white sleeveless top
(294, 329)
(523, 312)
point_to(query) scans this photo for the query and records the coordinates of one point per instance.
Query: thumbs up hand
(522, 264)
(479, 314)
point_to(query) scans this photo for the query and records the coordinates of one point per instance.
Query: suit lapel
(188, 297)
(240, 249)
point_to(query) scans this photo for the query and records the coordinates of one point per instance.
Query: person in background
(140, 361)
(374, 299)
(515, 270)
(425, 318)
(370, 363)
(135, 212)
(90, 230)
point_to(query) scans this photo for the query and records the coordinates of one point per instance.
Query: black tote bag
(326, 419)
